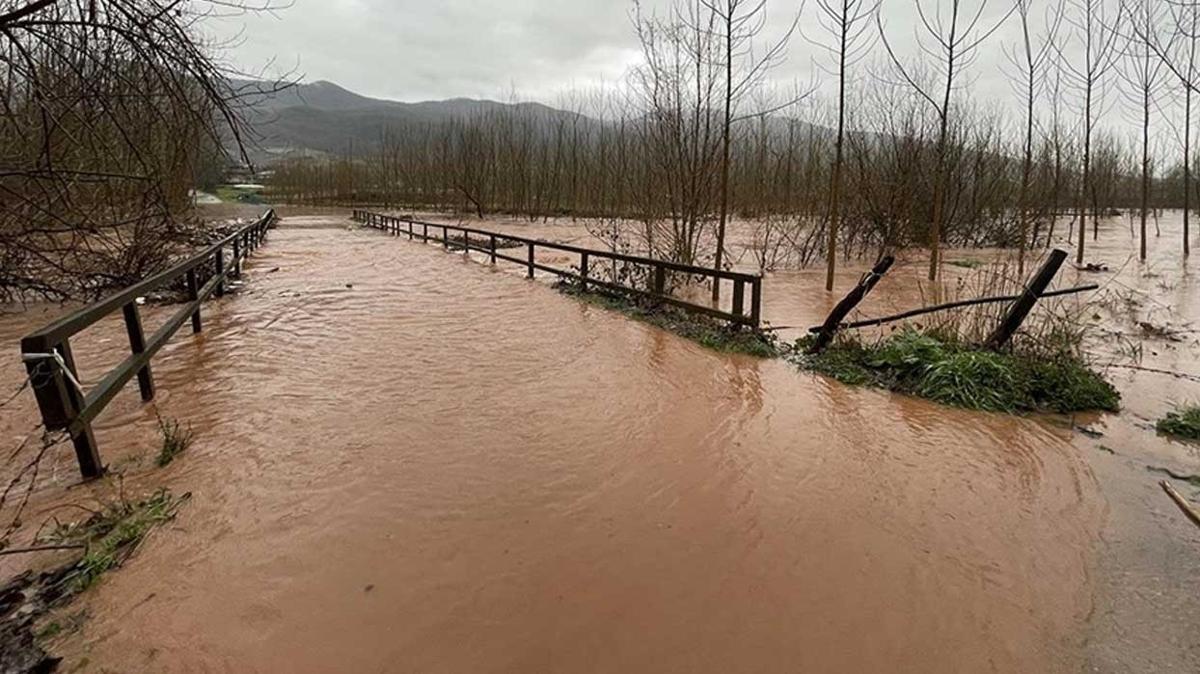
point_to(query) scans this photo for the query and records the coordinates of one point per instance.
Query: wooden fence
(460, 238)
(63, 403)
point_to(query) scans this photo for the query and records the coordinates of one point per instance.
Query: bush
(1182, 423)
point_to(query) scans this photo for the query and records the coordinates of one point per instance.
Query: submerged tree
(1029, 58)
(952, 36)
(846, 22)
(1092, 27)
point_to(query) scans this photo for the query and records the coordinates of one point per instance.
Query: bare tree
(846, 23)
(1091, 23)
(951, 35)
(740, 23)
(1029, 58)
(108, 108)
(1141, 69)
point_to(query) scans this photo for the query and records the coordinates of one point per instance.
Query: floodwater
(406, 461)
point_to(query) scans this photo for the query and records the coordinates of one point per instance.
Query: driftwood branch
(1188, 509)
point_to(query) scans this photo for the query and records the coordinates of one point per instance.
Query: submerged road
(407, 462)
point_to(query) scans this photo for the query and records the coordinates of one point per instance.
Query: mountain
(322, 118)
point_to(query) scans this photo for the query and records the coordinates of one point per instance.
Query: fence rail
(656, 289)
(63, 403)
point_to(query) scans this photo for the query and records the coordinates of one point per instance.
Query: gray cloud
(533, 49)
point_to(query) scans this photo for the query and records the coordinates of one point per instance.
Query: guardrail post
(137, 344)
(194, 295)
(756, 302)
(530, 244)
(583, 271)
(739, 294)
(492, 246)
(660, 280)
(60, 402)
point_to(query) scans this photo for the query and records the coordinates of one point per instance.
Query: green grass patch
(110, 535)
(235, 194)
(961, 375)
(712, 333)
(1184, 422)
(175, 439)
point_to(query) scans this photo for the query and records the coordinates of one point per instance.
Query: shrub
(1182, 423)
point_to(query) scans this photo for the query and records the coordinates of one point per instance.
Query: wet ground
(406, 461)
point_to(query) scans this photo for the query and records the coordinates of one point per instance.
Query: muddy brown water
(406, 461)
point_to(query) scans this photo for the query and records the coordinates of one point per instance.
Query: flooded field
(408, 461)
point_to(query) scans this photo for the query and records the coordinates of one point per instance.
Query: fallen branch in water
(1182, 502)
(1142, 368)
(871, 322)
(42, 548)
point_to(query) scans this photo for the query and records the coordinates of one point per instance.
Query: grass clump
(111, 535)
(945, 370)
(175, 439)
(708, 332)
(1182, 423)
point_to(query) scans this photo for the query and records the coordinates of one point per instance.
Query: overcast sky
(413, 50)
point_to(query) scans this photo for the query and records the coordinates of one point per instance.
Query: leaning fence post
(492, 246)
(851, 300)
(1033, 291)
(530, 244)
(583, 271)
(137, 344)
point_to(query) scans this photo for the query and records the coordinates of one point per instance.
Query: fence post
(660, 280)
(756, 302)
(220, 270)
(739, 294)
(492, 247)
(60, 402)
(237, 256)
(410, 232)
(445, 238)
(137, 344)
(583, 271)
(1033, 291)
(424, 232)
(530, 244)
(193, 295)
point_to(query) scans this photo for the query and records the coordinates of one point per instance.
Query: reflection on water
(408, 462)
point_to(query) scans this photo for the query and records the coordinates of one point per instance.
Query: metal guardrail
(416, 229)
(63, 403)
